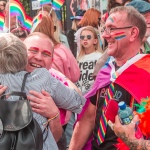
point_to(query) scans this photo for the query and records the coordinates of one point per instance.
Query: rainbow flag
(44, 2)
(28, 23)
(134, 76)
(1, 21)
(36, 21)
(57, 4)
(16, 9)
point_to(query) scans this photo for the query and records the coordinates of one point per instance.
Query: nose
(105, 35)
(38, 56)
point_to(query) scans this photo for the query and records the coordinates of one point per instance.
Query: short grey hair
(134, 18)
(13, 54)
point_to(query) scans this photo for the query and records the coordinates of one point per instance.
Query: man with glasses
(124, 31)
(144, 8)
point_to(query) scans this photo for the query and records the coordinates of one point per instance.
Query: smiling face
(40, 52)
(117, 39)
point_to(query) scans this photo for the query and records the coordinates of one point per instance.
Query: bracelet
(46, 123)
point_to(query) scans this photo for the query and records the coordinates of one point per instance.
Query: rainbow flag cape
(1, 21)
(44, 2)
(57, 4)
(134, 76)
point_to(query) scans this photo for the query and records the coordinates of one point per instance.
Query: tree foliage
(26, 5)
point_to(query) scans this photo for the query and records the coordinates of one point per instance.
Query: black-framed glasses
(82, 37)
(109, 30)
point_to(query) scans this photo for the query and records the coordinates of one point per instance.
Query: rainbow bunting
(57, 4)
(44, 2)
(1, 21)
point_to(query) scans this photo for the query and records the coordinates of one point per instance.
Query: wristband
(45, 123)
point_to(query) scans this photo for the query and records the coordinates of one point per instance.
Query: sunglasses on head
(82, 37)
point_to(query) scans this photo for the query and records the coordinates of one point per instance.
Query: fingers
(111, 125)
(2, 89)
(117, 120)
(136, 119)
(45, 93)
(36, 94)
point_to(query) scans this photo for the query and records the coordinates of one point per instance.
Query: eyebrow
(35, 48)
(47, 52)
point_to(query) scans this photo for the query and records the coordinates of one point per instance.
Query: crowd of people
(73, 77)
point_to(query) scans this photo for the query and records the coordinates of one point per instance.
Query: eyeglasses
(82, 37)
(109, 30)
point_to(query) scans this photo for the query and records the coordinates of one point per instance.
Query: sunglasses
(82, 37)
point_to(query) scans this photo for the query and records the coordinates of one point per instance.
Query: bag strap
(24, 81)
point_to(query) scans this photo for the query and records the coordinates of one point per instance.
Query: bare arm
(127, 134)
(48, 109)
(83, 129)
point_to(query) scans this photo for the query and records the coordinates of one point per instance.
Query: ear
(134, 33)
(95, 41)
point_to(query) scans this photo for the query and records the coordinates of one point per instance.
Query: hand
(42, 103)
(125, 130)
(2, 89)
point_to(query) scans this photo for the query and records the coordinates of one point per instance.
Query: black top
(72, 44)
(110, 137)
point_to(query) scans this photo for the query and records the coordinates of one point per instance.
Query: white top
(86, 65)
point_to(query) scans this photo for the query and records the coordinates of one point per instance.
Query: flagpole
(9, 18)
(50, 11)
(17, 21)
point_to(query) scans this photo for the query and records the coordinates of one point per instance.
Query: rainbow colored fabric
(57, 4)
(134, 76)
(103, 120)
(36, 21)
(1, 21)
(44, 2)
(16, 9)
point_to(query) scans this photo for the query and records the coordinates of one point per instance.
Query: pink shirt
(65, 62)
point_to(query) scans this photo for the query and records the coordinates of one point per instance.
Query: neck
(122, 60)
(89, 50)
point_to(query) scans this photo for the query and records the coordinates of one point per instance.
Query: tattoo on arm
(137, 144)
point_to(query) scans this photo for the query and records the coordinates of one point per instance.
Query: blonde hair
(97, 45)
(13, 54)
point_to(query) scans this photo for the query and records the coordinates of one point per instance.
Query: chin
(111, 52)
